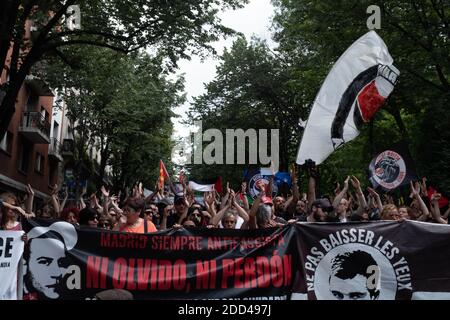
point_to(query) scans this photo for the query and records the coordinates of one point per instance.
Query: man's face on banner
(349, 289)
(44, 265)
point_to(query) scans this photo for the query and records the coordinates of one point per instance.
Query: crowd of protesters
(163, 210)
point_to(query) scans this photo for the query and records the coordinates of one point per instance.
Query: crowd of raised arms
(167, 209)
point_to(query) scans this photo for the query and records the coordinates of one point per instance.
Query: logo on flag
(256, 181)
(392, 168)
(368, 91)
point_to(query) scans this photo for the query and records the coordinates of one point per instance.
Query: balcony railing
(54, 149)
(35, 127)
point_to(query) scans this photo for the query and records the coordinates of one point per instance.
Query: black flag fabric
(392, 168)
(383, 260)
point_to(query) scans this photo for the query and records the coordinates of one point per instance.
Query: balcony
(67, 148)
(35, 127)
(54, 149)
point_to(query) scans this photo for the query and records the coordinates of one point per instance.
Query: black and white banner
(373, 261)
(356, 87)
(63, 262)
(11, 249)
(384, 260)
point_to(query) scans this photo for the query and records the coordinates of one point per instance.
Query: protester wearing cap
(261, 214)
(322, 210)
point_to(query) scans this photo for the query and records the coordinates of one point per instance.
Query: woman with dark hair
(135, 224)
(88, 217)
(70, 215)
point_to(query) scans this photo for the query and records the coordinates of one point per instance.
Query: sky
(253, 19)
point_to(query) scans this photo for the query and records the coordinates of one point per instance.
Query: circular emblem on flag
(257, 182)
(389, 169)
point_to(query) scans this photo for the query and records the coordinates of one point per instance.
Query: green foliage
(256, 88)
(122, 105)
(175, 29)
(250, 91)
(313, 34)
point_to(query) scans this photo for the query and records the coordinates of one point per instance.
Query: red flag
(218, 185)
(442, 202)
(162, 174)
(182, 177)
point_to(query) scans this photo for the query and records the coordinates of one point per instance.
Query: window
(24, 158)
(39, 163)
(7, 142)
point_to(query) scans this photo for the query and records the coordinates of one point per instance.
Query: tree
(251, 91)
(313, 34)
(176, 28)
(121, 104)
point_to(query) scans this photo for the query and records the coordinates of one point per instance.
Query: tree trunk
(8, 106)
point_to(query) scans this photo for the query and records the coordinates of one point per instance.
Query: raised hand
(346, 182)
(104, 192)
(414, 189)
(140, 189)
(232, 197)
(208, 199)
(30, 190)
(355, 182)
(244, 187)
(157, 186)
(190, 199)
(372, 192)
(167, 210)
(337, 190)
(293, 173)
(436, 196)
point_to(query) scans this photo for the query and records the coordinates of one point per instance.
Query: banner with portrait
(333, 261)
(64, 262)
(11, 249)
(373, 261)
